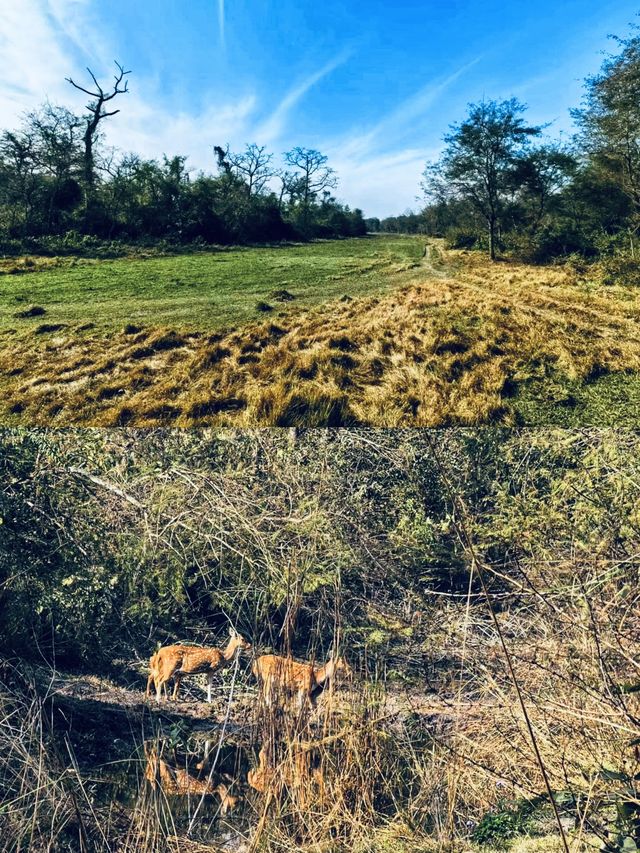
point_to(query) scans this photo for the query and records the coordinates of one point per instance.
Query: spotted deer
(279, 675)
(180, 660)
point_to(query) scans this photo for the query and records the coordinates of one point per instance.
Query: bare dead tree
(315, 175)
(97, 113)
(253, 166)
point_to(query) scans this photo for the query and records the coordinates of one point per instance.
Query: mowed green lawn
(204, 290)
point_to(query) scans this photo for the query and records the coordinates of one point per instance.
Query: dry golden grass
(449, 348)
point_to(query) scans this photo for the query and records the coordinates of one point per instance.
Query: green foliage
(459, 238)
(483, 157)
(624, 795)
(610, 121)
(619, 270)
(113, 541)
(503, 823)
(204, 290)
(50, 185)
(546, 201)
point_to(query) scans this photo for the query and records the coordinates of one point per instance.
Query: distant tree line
(57, 177)
(407, 223)
(500, 187)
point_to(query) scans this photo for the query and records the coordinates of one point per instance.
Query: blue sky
(373, 84)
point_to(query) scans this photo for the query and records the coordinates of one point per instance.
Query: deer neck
(230, 652)
(324, 673)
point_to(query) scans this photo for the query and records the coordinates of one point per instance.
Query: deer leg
(271, 692)
(159, 686)
(303, 696)
(150, 681)
(176, 686)
(209, 683)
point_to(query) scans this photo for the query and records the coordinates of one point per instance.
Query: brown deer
(177, 661)
(285, 676)
(294, 770)
(260, 777)
(178, 781)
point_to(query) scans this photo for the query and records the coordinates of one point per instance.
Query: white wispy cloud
(44, 41)
(382, 184)
(33, 57)
(146, 130)
(401, 120)
(74, 21)
(379, 169)
(272, 129)
(221, 21)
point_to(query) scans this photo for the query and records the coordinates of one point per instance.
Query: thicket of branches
(60, 185)
(497, 571)
(108, 537)
(502, 185)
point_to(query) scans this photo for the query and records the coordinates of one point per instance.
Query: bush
(503, 823)
(460, 238)
(549, 245)
(621, 270)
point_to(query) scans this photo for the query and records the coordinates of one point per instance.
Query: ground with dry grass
(448, 339)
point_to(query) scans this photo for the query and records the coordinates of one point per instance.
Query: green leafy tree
(610, 125)
(478, 162)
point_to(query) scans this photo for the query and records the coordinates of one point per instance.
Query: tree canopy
(57, 177)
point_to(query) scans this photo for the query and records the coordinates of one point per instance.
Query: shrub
(460, 238)
(620, 270)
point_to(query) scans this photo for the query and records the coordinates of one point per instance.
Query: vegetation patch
(487, 343)
(282, 295)
(44, 328)
(214, 406)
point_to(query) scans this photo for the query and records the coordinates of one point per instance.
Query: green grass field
(373, 331)
(208, 290)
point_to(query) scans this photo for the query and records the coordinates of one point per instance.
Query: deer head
(340, 665)
(237, 643)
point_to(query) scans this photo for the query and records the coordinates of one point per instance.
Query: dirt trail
(428, 264)
(92, 696)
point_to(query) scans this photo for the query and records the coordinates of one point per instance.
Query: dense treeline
(59, 184)
(407, 223)
(502, 186)
(497, 185)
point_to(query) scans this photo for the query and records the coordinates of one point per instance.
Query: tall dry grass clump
(43, 802)
(332, 778)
